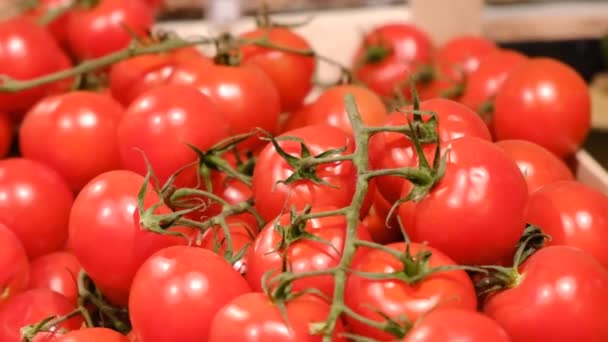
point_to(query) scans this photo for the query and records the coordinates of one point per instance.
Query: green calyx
(376, 53)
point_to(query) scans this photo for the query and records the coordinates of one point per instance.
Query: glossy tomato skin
(243, 230)
(14, 265)
(453, 325)
(58, 272)
(105, 234)
(561, 295)
(75, 134)
(395, 297)
(471, 199)
(32, 306)
(390, 150)
(537, 164)
(27, 51)
(160, 122)
(484, 82)
(191, 286)
(253, 317)
(6, 134)
(546, 102)
(573, 214)
(380, 230)
(253, 100)
(302, 256)
(330, 109)
(271, 198)
(292, 74)
(93, 335)
(35, 204)
(135, 76)
(58, 27)
(460, 56)
(98, 31)
(406, 48)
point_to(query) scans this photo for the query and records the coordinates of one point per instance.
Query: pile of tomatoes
(187, 196)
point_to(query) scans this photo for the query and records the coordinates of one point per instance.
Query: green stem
(361, 163)
(312, 161)
(9, 85)
(328, 213)
(54, 14)
(415, 175)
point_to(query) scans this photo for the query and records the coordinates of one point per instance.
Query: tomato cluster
(160, 193)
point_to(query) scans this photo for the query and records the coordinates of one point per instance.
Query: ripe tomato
(482, 187)
(394, 298)
(271, 197)
(460, 56)
(375, 221)
(56, 271)
(253, 317)
(190, 286)
(27, 51)
(135, 76)
(6, 134)
(330, 109)
(105, 214)
(297, 119)
(538, 165)
(292, 74)
(560, 294)
(104, 28)
(483, 83)
(389, 54)
(452, 325)
(390, 150)
(62, 131)
(160, 123)
(93, 335)
(243, 230)
(32, 306)
(573, 214)
(245, 95)
(58, 27)
(546, 102)
(14, 266)
(35, 204)
(302, 255)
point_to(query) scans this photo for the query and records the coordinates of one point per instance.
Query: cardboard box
(343, 29)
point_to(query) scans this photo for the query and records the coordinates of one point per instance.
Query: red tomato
(14, 265)
(245, 95)
(160, 123)
(104, 28)
(560, 294)
(6, 134)
(551, 99)
(573, 214)
(396, 298)
(538, 165)
(330, 109)
(135, 76)
(27, 51)
(390, 150)
(190, 286)
(483, 83)
(58, 27)
(389, 54)
(375, 221)
(482, 187)
(271, 198)
(460, 56)
(35, 204)
(297, 119)
(292, 74)
(253, 317)
(58, 272)
(242, 233)
(31, 307)
(454, 325)
(105, 214)
(303, 255)
(93, 335)
(62, 132)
